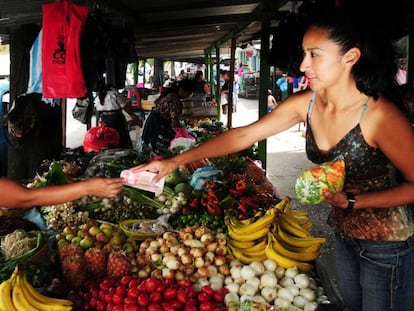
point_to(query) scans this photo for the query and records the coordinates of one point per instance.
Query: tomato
(131, 307)
(203, 297)
(94, 293)
(184, 283)
(208, 290)
(118, 308)
(142, 299)
(125, 280)
(151, 284)
(155, 297)
(141, 287)
(166, 306)
(108, 298)
(117, 299)
(120, 290)
(190, 307)
(182, 295)
(133, 283)
(109, 307)
(176, 304)
(130, 301)
(100, 306)
(161, 287)
(170, 293)
(132, 292)
(154, 307)
(205, 306)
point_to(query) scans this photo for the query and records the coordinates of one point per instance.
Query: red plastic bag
(100, 137)
(62, 25)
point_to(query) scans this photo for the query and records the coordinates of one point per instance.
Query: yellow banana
(243, 237)
(284, 204)
(6, 303)
(241, 245)
(262, 222)
(298, 242)
(244, 258)
(40, 301)
(304, 256)
(20, 302)
(298, 213)
(283, 261)
(307, 225)
(260, 245)
(290, 225)
(313, 248)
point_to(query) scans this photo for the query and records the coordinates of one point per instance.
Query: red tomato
(208, 290)
(108, 298)
(170, 293)
(203, 297)
(161, 287)
(205, 306)
(100, 306)
(176, 304)
(151, 284)
(167, 306)
(191, 292)
(109, 307)
(130, 307)
(132, 292)
(117, 299)
(142, 299)
(125, 280)
(155, 297)
(184, 283)
(94, 293)
(118, 308)
(130, 301)
(120, 290)
(133, 283)
(182, 295)
(154, 307)
(92, 302)
(105, 284)
(190, 307)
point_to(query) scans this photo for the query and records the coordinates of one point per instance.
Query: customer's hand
(104, 187)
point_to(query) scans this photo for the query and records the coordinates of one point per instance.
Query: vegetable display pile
(313, 182)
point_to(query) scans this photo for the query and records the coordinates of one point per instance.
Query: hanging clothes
(63, 22)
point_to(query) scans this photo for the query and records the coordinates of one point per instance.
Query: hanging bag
(80, 110)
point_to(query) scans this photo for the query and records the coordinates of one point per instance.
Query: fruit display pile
(224, 240)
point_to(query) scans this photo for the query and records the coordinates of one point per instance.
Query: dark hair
(104, 88)
(198, 74)
(376, 68)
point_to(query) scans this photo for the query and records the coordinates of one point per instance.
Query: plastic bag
(182, 140)
(314, 181)
(100, 137)
(202, 175)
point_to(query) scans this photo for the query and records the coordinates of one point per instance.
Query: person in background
(240, 70)
(271, 101)
(283, 84)
(110, 106)
(224, 91)
(200, 85)
(236, 90)
(14, 195)
(350, 114)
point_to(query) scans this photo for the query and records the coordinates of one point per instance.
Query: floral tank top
(367, 170)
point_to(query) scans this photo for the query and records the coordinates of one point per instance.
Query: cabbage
(316, 180)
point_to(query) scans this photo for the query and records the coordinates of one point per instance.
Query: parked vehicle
(4, 101)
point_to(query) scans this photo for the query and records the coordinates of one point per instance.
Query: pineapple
(119, 264)
(95, 262)
(74, 270)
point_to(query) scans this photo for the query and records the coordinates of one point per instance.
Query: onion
(186, 259)
(143, 274)
(247, 272)
(233, 287)
(308, 293)
(211, 247)
(202, 272)
(255, 282)
(268, 279)
(286, 281)
(259, 299)
(285, 293)
(198, 262)
(197, 252)
(219, 260)
(224, 270)
(231, 299)
(207, 238)
(293, 289)
(247, 289)
(221, 250)
(300, 301)
(228, 280)
(291, 272)
(172, 264)
(310, 306)
(155, 244)
(258, 267)
(282, 303)
(280, 272)
(235, 263)
(270, 264)
(269, 294)
(235, 272)
(301, 280)
(167, 273)
(212, 270)
(179, 275)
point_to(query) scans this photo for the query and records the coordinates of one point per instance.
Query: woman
(348, 114)
(201, 89)
(14, 195)
(110, 104)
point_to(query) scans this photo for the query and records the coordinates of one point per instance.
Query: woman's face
(323, 61)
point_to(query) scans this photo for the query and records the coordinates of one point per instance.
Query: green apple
(69, 236)
(76, 240)
(82, 232)
(94, 230)
(86, 243)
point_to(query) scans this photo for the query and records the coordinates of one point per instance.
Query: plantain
(313, 248)
(284, 204)
(300, 256)
(260, 223)
(244, 237)
(297, 241)
(245, 258)
(241, 245)
(290, 225)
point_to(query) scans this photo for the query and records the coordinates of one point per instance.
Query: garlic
(280, 272)
(235, 272)
(286, 294)
(268, 279)
(308, 293)
(228, 280)
(300, 301)
(247, 272)
(310, 306)
(270, 264)
(255, 282)
(301, 280)
(247, 289)
(286, 281)
(281, 302)
(291, 272)
(233, 287)
(231, 298)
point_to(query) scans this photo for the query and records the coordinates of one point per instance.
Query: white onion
(300, 301)
(259, 299)
(280, 272)
(269, 294)
(291, 272)
(231, 298)
(258, 267)
(233, 287)
(270, 264)
(293, 289)
(285, 293)
(301, 280)
(310, 306)
(255, 282)
(308, 293)
(247, 289)
(235, 272)
(268, 280)
(228, 280)
(286, 281)
(281, 302)
(247, 272)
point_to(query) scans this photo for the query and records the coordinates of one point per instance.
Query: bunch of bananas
(280, 234)
(247, 239)
(17, 294)
(290, 244)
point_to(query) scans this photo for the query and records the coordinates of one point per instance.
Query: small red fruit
(154, 307)
(151, 284)
(132, 292)
(155, 297)
(117, 298)
(170, 293)
(142, 299)
(125, 280)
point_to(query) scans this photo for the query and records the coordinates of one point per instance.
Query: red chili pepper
(194, 203)
(242, 208)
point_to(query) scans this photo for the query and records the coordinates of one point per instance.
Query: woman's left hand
(338, 199)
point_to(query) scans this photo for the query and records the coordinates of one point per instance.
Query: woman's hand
(161, 168)
(338, 199)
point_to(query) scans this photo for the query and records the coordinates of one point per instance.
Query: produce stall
(217, 237)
